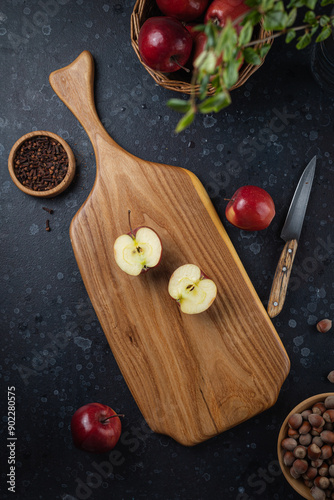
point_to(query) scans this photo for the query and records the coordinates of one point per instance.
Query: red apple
(95, 427)
(251, 208)
(221, 10)
(164, 44)
(185, 10)
(138, 251)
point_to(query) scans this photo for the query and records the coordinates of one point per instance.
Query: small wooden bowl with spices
(41, 164)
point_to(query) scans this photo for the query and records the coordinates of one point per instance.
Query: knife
(290, 234)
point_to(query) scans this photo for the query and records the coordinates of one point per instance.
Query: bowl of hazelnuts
(306, 447)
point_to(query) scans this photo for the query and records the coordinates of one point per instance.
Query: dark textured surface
(53, 349)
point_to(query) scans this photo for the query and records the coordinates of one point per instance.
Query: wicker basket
(179, 81)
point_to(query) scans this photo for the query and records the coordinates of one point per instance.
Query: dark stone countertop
(53, 349)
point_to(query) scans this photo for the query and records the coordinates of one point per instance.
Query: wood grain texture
(281, 278)
(191, 376)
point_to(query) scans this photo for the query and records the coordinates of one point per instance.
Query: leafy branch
(216, 69)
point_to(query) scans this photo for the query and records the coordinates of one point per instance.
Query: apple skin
(162, 41)
(184, 10)
(221, 10)
(91, 433)
(251, 208)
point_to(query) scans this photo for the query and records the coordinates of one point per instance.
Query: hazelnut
(329, 402)
(300, 466)
(330, 377)
(316, 463)
(313, 452)
(328, 426)
(319, 408)
(305, 414)
(324, 325)
(295, 421)
(327, 436)
(305, 427)
(311, 473)
(326, 452)
(329, 415)
(323, 469)
(317, 493)
(318, 441)
(308, 482)
(293, 473)
(322, 482)
(292, 433)
(289, 444)
(305, 439)
(316, 420)
(331, 470)
(289, 458)
(300, 451)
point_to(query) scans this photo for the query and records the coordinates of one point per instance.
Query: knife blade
(290, 234)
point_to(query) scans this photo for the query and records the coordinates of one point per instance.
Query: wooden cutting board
(192, 376)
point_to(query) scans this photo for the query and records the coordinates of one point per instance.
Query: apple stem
(180, 65)
(112, 416)
(129, 218)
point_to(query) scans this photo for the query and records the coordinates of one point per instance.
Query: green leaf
(324, 20)
(208, 64)
(310, 17)
(304, 41)
(275, 20)
(253, 16)
(179, 105)
(267, 5)
(325, 33)
(310, 4)
(290, 36)
(326, 2)
(246, 33)
(227, 41)
(251, 56)
(265, 49)
(185, 121)
(215, 103)
(204, 84)
(231, 73)
(291, 17)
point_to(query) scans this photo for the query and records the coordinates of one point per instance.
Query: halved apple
(138, 250)
(192, 289)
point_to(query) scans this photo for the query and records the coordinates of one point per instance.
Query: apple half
(192, 289)
(137, 251)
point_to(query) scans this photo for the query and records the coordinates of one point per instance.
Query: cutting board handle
(74, 85)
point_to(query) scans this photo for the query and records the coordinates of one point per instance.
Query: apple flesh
(164, 44)
(184, 10)
(192, 289)
(251, 208)
(95, 427)
(138, 250)
(221, 10)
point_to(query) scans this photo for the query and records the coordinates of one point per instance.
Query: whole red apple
(221, 10)
(95, 427)
(251, 208)
(185, 10)
(164, 44)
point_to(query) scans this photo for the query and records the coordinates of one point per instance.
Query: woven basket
(180, 81)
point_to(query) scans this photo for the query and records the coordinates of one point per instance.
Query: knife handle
(281, 278)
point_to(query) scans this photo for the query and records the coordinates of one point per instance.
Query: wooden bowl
(50, 193)
(180, 80)
(297, 484)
